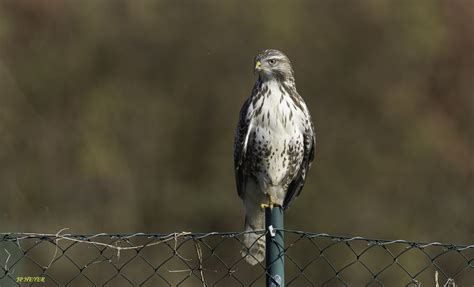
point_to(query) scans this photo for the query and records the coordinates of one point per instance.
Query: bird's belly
(277, 154)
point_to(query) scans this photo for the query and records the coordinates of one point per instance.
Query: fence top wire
(13, 236)
(213, 259)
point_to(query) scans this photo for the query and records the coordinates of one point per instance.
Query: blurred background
(119, 116)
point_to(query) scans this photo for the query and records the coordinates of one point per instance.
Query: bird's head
(273, 64)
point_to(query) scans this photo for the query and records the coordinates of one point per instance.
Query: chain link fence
(213, 259)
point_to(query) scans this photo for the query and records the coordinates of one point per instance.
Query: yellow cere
(258, 64)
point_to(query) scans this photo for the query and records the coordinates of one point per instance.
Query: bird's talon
(270, 204)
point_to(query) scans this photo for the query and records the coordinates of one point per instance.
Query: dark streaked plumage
(274, 145)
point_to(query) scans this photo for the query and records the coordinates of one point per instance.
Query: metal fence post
(275, 247)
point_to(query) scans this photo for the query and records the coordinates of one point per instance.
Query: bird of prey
(274, 146)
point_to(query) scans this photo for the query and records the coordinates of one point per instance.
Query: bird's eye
(272, 62)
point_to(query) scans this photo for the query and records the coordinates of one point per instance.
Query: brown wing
(295, 187)
(240, 148)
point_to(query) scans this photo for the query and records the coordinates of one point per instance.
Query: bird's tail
(254, 250)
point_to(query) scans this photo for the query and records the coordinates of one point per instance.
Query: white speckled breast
(276, 138)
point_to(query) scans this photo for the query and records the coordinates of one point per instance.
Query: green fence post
(275, 247)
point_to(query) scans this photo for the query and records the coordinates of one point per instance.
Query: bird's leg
(271, 203)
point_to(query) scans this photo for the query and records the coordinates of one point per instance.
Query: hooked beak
(258, 67)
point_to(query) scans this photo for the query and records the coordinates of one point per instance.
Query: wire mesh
(213, 259)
